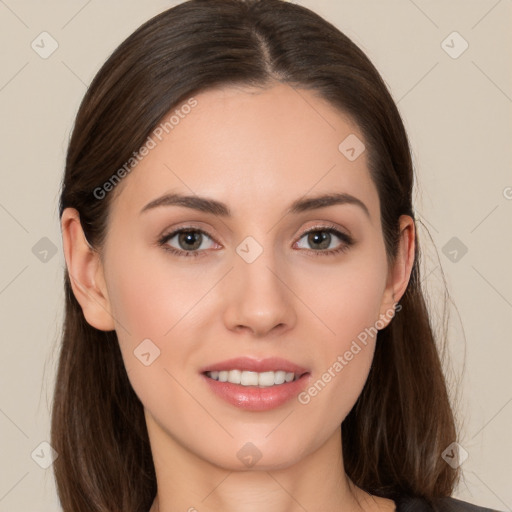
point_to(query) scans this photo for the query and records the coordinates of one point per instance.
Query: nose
(258, 297)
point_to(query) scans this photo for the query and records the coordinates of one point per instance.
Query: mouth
(256, 385)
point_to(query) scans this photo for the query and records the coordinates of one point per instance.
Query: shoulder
(447, 504)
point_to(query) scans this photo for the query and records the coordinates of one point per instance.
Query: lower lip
(254, 398)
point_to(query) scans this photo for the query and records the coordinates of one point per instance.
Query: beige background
(458, 115)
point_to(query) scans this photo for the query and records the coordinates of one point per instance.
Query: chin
(259, 452)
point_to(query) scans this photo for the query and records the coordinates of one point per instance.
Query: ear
(399, 275)
(85, 273)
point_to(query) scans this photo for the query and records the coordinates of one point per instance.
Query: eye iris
(190, 237)
(315, 237)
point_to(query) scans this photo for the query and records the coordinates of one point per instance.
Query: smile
(248, 378)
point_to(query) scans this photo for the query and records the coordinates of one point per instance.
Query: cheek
(350, 308)
(348, 298)
(148, 296)
(152, 306)
(154, 299)
(343, 363)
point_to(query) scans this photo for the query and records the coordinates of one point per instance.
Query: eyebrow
(220, 209)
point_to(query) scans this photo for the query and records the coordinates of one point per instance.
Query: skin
(257, 151)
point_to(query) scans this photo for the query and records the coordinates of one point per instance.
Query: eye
(189, 241)
(322, 237)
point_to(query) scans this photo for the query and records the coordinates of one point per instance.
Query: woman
(245, 328)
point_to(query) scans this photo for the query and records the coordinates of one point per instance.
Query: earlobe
(85, 273)
(399, 275)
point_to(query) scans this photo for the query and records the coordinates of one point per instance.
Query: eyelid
(346, 238)
(327, 226)
(192, 226)
(189, 226)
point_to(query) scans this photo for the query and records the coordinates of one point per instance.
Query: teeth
(246, 378)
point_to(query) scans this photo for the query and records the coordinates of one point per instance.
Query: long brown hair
(395, 434)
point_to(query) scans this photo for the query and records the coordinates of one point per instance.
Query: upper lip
(256, 365)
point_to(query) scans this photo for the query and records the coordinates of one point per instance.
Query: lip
(271, 364)
(254, 398)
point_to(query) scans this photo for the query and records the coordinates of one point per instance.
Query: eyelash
(346, 241)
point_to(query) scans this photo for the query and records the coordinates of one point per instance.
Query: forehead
(245, 146)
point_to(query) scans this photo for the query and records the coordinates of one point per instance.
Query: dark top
(408, 504)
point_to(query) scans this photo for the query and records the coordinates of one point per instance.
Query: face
(191, 287)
